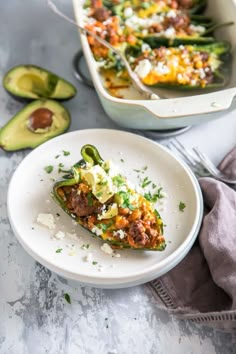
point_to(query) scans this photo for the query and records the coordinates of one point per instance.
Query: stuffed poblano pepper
(145, 7)
(167, 28)
(184, 67)
(104, 202)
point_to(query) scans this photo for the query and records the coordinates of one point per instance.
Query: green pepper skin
(91, 155)
(199, 7)
(158, 41)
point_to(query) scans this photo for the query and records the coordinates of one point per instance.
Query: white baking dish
(178, 109)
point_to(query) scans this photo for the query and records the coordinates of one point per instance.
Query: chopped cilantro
(151, 198)
(99, 194)
(136, 171)
(56, 157)
(94, 263)
(118, 180)
(104, 227)
(145, 168)
(61, 164)
(126, 200)
(154, 186)
(66, 153)
(85, 246)
(90, 199)
(159, 195)
(145, 182)
(48, 169)
(182, 206)
(122, 160)
(67, 298)
(59, 250)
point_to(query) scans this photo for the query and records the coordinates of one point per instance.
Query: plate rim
(100, 279)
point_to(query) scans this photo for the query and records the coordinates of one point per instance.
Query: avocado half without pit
(32, 82)
(36, 123)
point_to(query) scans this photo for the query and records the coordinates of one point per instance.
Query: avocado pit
(41, 118)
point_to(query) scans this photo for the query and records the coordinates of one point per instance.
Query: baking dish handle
(193, 105)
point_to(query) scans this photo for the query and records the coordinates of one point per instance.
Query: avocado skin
(28, 100)
(21, 99)
(20, 96)
(16, 136)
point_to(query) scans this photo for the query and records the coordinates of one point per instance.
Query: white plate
(29, 195)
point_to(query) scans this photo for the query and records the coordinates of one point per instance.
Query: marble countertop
(35, 318)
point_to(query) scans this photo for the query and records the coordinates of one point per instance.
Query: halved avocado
(32, 82)
(36, 123)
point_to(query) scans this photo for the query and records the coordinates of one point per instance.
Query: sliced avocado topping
(36, 123)
(33, 82)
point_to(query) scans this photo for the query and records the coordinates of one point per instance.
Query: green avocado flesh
(36, 123)
(33, 82)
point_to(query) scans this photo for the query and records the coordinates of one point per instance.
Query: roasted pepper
(185, 67)
(104, 203)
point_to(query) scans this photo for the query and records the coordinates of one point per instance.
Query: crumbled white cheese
(161, 68)
(145, 47)
(193, 82)
(128, 12)
(120, 233)
(179, 77)
(117, 255)
(197, 29)
(72, 253)
(131, 59)
(171, 14)
(164, 194)
(60, 235)
(89, 257)
(72, 236)
(107, 249)
(145, 32)
(110, 213)
(202, 73)
(170, 32)
(143, 68)
(47, 220)
(96, 231)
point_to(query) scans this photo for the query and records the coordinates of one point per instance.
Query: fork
(200, 163)
(146, 93)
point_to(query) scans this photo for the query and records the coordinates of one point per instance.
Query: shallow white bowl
(29, 195)
(180, 108)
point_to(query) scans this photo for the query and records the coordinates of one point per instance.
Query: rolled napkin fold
(202, 287)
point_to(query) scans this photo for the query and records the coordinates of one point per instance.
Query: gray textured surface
(34, 316)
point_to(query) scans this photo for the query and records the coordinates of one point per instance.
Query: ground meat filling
(82, 204)
(139, 229)
(137, 233)
(101, 14)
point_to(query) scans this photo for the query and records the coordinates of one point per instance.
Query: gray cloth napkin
(202, 287)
